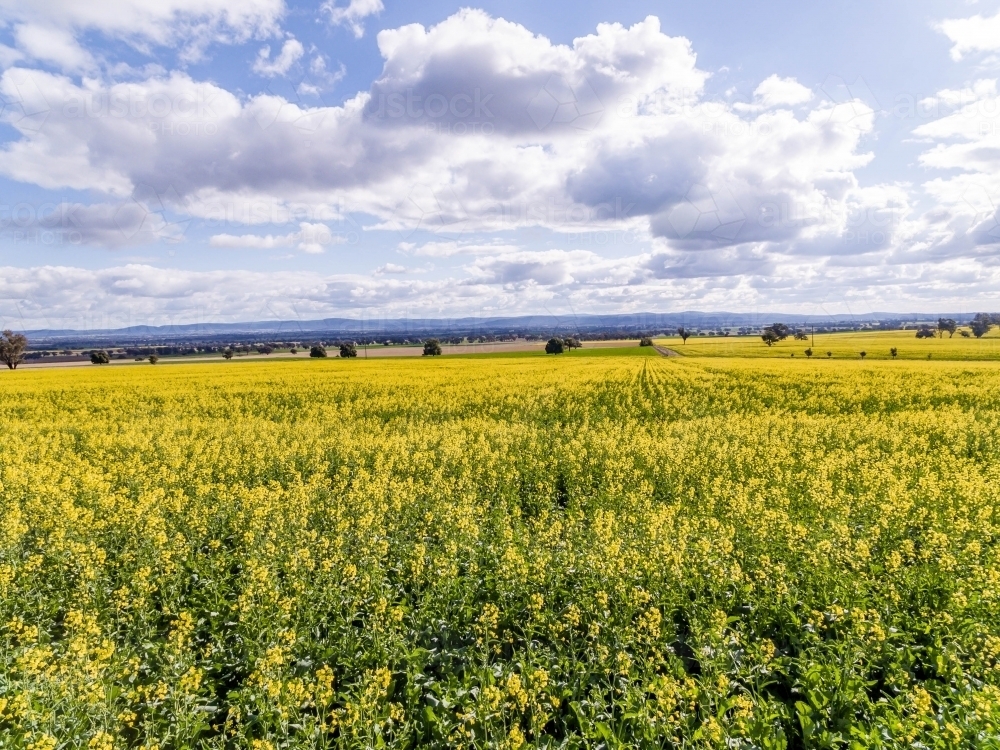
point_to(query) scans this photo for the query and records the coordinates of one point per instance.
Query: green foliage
(12, 348)
(554, 346)
(348, 350)
(317, 351)
(611, 552)
(947, 325)
(432, 348)
(981, 324)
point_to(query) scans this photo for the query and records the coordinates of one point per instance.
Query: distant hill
(522, 324)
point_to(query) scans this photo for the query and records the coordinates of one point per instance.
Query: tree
(554, 346)
(432, 348)
(981, 324)
(645, 341)
(317, 351)
(925, 332)
(153, 359)
(12, 348)
(893, 352)
(293, 350)
(770, 337)
(227, 354)
(863, 354)
(571, 342)
(781, 330)
(683, 333)
(809, 352)
(829, 354)
(99, 357)
(946, 324)
(348, 350)
(965, 334)
(264, 350)
(801, 336)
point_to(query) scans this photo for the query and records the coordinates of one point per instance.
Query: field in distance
(601, 550)
(849, 344)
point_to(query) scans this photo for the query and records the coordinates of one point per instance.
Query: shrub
(348, 350)
(554, 346)
(645, 341)
(432, 348)
(99, 357)
(317, 351)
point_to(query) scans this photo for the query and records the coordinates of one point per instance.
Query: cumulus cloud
(311, 238)
(448, 249)
(478, 132)
(353, 14)
(291, 52)
(454, 137)
(188, 23)
(390, 268)
(53, 45)
(775, 92)
(975, 34)
(963, 142)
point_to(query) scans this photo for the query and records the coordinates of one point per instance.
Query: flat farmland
(606, 550)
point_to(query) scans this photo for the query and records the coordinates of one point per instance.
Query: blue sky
(184, 161)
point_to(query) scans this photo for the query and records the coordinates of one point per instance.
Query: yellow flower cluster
(625, 551)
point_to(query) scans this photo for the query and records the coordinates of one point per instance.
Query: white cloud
(191, 24)
(389, 268)
(975, 34)
(9, 56)
(353, 14)
(291, 52)
(477, 127)
(965, 220)
(775, 92)
(311, 238)
(53, 45)
(448, 249)
(488, 163)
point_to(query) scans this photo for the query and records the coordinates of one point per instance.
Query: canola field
(845, 345)
(563, 552)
